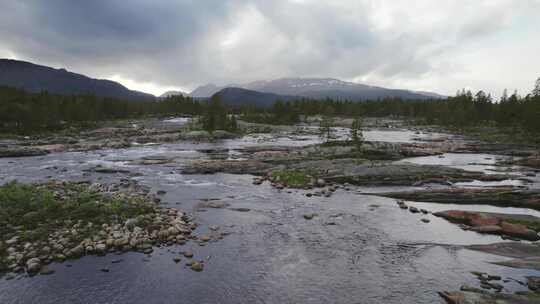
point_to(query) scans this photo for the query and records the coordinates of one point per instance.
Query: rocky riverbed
(82, 219)
(281, 217)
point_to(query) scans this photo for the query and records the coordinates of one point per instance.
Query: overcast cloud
(156, 45)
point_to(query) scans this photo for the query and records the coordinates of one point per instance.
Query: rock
(46, 271)
(240, 209)
(533, 283)
(425, 220)
(104, 170)
(173, 231)
(204, 238)
(309, 216)
(101, 249)
(104, 269)
(177, 259)
(469, 218)
(60, 257)
(21, 152)
(494, 278)
(131, 223)
(188, 254)
(320, 182)
(215, 205)
(470, 288)
(196, 266)
(493, 229)
(33, 265)
(413, 209)
(77, 251)
(453, 297)
(520, 231)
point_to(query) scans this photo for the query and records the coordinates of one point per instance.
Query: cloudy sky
(158, 45)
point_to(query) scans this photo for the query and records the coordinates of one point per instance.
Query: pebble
(196, 266)
(425, 220)
(104, 270)
(46, 271)
(188, 254)
(309, 216)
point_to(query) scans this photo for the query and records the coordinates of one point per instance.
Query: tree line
(24, 112)
(463, 110)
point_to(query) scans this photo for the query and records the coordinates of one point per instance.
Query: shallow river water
(360, 248)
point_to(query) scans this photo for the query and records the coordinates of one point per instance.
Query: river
(360, 248)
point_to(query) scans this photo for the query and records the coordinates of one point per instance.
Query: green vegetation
(22, 112)
(34, 211)
(216, 117)
(292, 178)
(356, 133)
(281, 113)
(325, 128)
(534, 225)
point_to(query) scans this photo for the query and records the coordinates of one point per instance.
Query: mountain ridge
(317, 88)
(36, 78)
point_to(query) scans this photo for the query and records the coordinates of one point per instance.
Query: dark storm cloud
(185, 43)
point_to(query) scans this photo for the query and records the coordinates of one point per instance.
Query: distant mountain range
(37, 78)
(317, 88)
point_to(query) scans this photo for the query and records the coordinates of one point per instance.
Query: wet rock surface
(513, 225)
(504, 197)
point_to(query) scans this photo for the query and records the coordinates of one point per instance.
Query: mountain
(318, 88)
(36, 78)
(239, 96)
(432, 95)
(206, 91)
(173, 93)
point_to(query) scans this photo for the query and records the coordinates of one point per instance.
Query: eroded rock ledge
(503, 197)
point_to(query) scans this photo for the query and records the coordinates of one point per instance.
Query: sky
(160, 45)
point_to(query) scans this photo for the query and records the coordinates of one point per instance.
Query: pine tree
(536, 90)
(325, 128)
(356, 132)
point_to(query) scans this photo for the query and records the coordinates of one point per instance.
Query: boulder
(470, 218)
(493, 229)
(33, 265)
(101, 249)
(519, 231)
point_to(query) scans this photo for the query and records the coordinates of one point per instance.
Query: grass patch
(292, 178)
(534, 225)
(33, 212)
